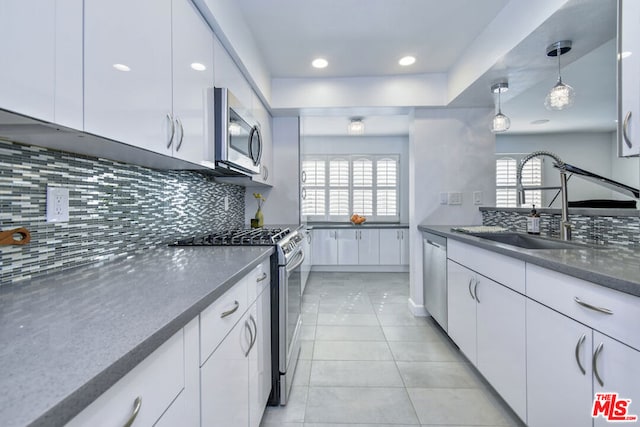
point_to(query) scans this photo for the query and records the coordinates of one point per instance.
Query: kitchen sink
(528, 241)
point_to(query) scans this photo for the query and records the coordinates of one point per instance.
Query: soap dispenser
(533, 222)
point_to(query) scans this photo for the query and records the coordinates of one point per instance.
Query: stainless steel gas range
(286, 298)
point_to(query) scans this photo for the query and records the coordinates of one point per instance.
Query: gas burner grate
(237, 237)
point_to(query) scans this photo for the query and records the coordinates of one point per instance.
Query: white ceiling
(365, 37)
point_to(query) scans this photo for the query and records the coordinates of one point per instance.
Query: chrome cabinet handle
(248, 326)
(401, 234)
(595, 363)
(265, 172)
(625, 126)
(173, 129)
(398, 234)
(261, 278)
(304, 194)
(475, 290)
(433, 244)
(137, 404)
(578, 344)
(303, 176)
(230, 312)
(255, 328)
(592, 307)
(181, 133)
(471, 293)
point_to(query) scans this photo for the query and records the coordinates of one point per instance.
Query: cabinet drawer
(505, 270)
(559, 291)
(157, 380)
(217, 320)
(258, 280)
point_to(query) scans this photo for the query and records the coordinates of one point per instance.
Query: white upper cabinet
(228, 75)
(629, 83)
(41, 72)
(192, 75)
(263, 117)
(127, 57)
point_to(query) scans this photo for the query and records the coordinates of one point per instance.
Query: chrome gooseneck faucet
(565, 225)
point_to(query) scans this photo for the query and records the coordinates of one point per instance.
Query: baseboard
(362, 268)
(417, 310)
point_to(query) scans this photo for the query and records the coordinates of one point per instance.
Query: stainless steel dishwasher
(434, 265)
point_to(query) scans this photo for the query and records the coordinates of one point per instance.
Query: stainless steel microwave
(238, 141)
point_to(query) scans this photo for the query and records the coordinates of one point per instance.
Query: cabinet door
(129, 106)
(368, 247)
(347, 247)
(325, 247)
(390, 251)
(192, 75)
(224, 380)
(27, 31)
(501, 341)
(629, 84)
(404, 247)
(558, 391)
(260, 359)
(461, 307)
(226, 74)
(618, 366)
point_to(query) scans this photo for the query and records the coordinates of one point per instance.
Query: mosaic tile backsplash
(115, 209)
(622, 231)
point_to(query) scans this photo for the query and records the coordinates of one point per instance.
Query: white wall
(450, 150)
(367, 145)
(592, 151)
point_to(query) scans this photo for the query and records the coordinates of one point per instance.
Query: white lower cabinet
(558, 369)
(235, 381)
(356, 246)
(487, 322)
(394, 246)
(324, 246)
(224, 380)
(144, 394)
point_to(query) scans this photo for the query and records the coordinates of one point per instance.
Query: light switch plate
(57, 204)
(455, 198)
(477, 197)
(444, 198)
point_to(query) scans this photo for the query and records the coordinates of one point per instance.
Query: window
(335, 187)
(506, 181)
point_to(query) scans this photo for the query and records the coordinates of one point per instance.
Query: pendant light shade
(500, 122)
(562, 95)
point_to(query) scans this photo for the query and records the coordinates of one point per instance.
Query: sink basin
(527, 241)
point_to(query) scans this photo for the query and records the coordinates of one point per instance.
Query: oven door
(290, 325)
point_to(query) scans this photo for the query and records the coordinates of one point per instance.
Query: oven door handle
(297, 263)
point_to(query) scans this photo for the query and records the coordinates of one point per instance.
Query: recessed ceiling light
(198, 66)
(407, 60)
(320, 63)
(625, 54)
(121, 67)
(540, 122)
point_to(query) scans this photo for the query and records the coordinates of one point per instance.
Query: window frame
(373, 158)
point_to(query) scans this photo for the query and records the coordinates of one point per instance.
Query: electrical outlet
(455, 198)
(477, 197)
(444, 198)
(226, 203)
(57, 204)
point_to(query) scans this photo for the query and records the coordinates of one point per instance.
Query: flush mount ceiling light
(121, 67)
(560, 96)
(319, 63)
(198, 66)
(407, 60)
(500, 122)
(356, 126)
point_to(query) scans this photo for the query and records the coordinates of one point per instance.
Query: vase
(259, 218)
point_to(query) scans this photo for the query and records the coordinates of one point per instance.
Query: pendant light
(500, 122)
(562, 95)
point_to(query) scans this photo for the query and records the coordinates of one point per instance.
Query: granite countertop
(67, 337)
(333, 225)
(614, 267)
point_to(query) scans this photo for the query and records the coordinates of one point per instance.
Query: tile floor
(366, 361)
